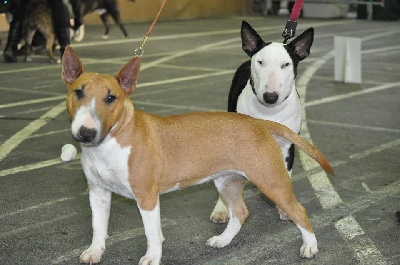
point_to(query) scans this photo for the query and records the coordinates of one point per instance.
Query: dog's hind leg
(231, 192)
(220, 213)
(288, 156)
(29, 33)
(115, 14)
(48, 34)
(49, 47)
(281, 193)
(106, 23)
(299, 216)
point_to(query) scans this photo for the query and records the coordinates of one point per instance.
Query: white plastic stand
(347, 59)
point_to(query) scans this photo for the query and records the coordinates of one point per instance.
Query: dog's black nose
(86, 135)
(270, 98)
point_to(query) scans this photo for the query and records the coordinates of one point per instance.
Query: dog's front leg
(152, 228)
(100, 202)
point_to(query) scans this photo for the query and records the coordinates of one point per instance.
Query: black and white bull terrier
(264, 88)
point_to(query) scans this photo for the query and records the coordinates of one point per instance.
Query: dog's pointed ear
(128, 76)
(251, 41)
(72, 67)
(302, 44)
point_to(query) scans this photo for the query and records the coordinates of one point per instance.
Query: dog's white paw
(104, 37)
(79, 33)
(147, 260)
(152, 256)
(308, 251)
(78, 39)
(218, 241)
(91, 255)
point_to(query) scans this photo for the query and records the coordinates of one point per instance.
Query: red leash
(291, 24)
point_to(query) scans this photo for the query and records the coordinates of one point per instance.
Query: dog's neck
(126, 118)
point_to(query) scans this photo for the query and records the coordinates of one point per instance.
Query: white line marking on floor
(48, 203)
(196, 35)
(352, 94)
(32, 127)
(355, 126)
(33, 166)
(383, 49)
(186, 78)
(32, 101)
(325, 192)
(376, 149)
(364, 248)
(365, 186)
(49, 133)
(193, 108)
(36, 225)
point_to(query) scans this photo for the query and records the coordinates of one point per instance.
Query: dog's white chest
(287, 113)
(106, 165)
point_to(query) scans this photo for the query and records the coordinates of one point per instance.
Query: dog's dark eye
(110, 99)
(79, 93)
(260, 62)
(285, 65)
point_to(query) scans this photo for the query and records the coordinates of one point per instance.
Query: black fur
(87, 6)
(296, 48)
(290, 158)
(251, 41)
(239, 82)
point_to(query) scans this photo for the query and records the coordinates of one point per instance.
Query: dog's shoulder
(239, 82)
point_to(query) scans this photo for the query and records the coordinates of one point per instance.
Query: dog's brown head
(95, 102)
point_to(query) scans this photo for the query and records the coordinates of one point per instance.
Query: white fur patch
(106, 165)
(272, 71)
(152, 227)
(226, 237)
(86, 116)
(310, 247)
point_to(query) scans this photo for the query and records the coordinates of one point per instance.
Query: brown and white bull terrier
(140, 156)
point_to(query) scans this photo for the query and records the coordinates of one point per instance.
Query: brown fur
(38, 18)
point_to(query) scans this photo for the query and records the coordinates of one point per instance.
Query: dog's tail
(309, 149)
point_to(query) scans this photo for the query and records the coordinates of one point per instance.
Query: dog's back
(104, 8)
(227, 137)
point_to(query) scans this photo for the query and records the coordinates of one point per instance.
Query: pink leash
(291, 24)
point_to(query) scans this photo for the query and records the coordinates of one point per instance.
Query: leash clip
(139, 52)
(290, 30)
